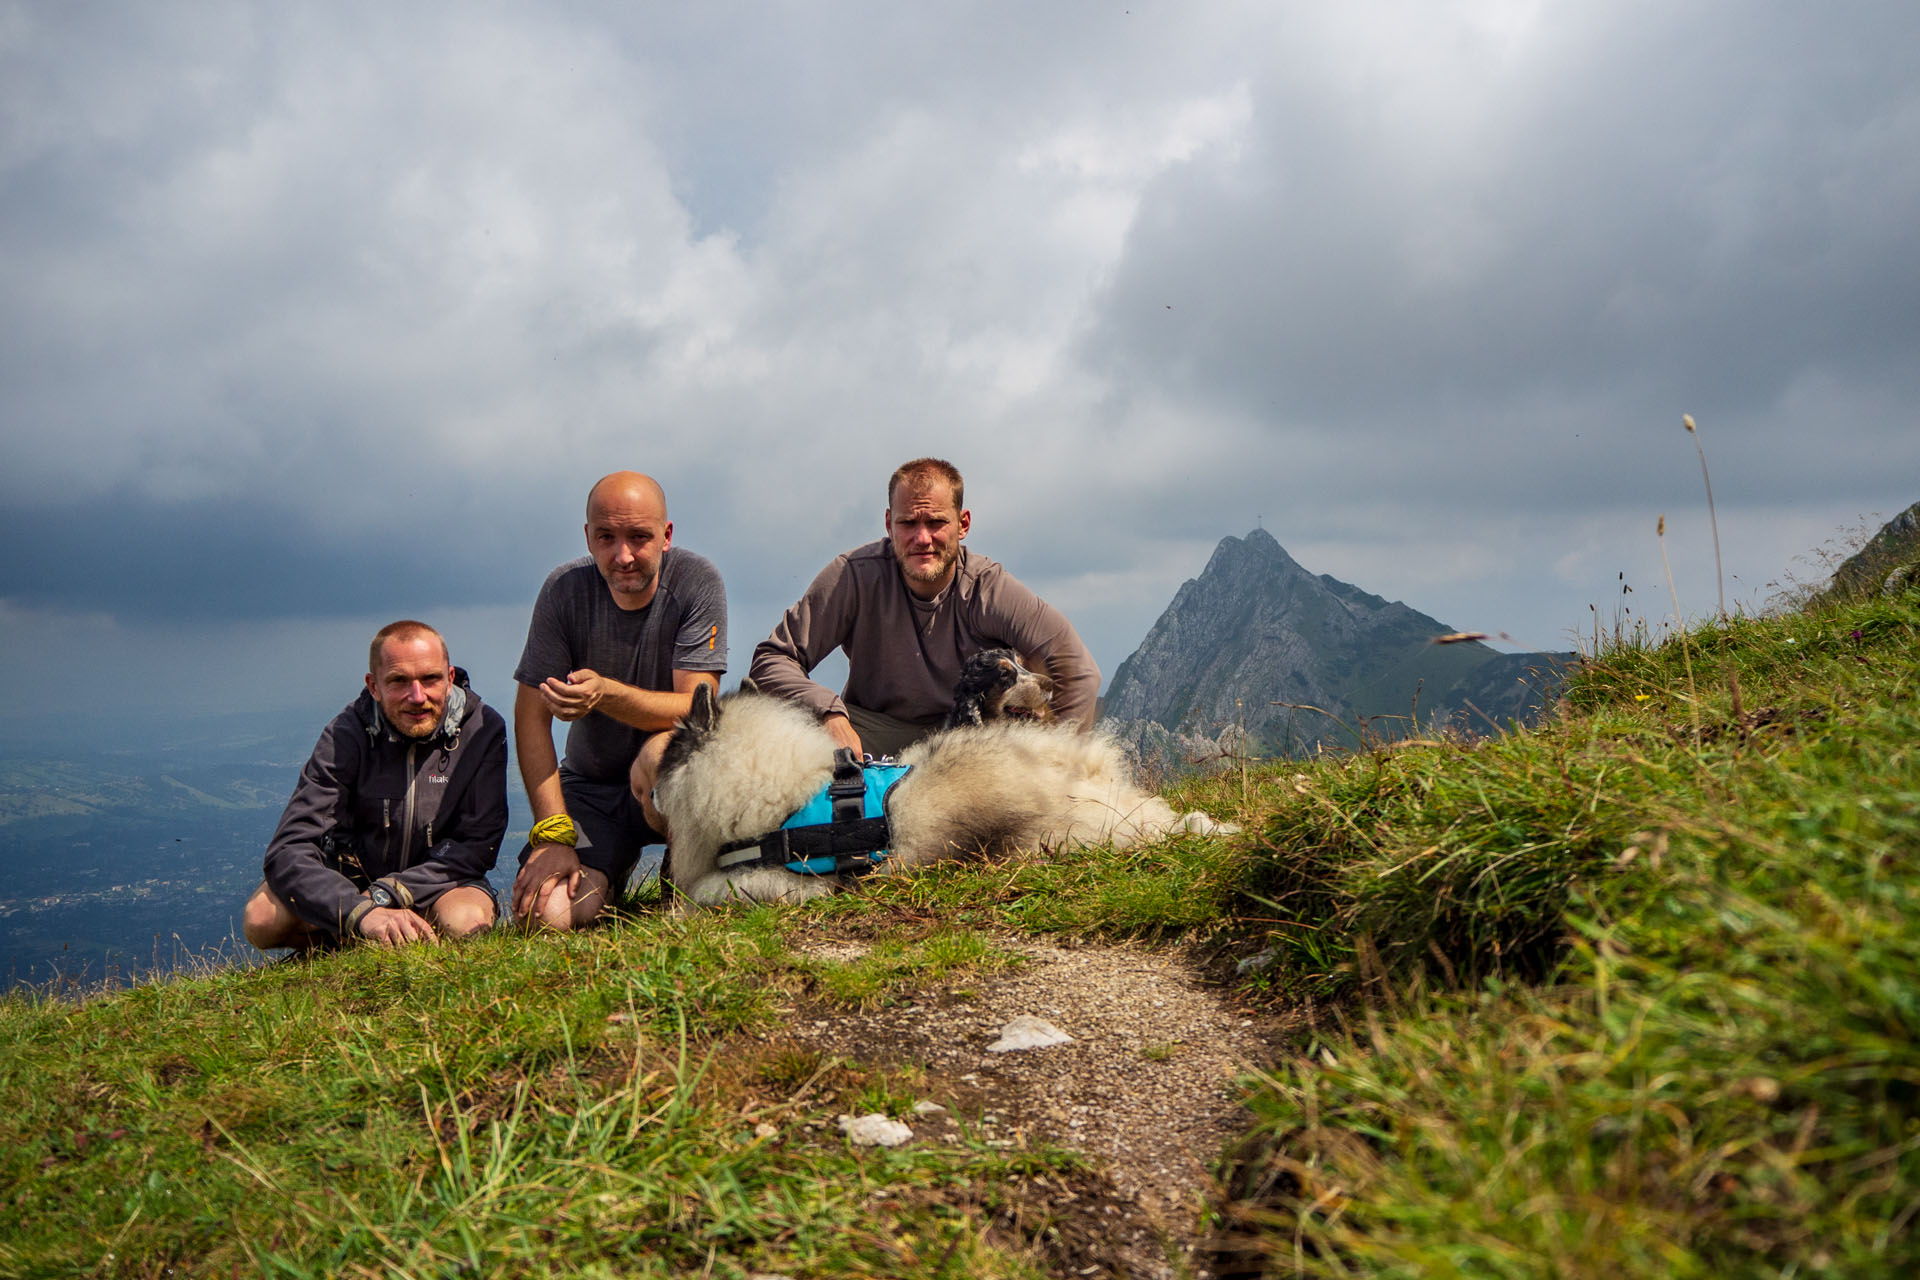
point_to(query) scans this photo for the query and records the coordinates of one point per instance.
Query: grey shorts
(612, 829)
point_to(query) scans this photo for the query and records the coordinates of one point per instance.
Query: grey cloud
(1686, 209)
(138, 559)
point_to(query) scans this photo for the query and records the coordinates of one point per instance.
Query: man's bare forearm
(533, 744)
(648, 709)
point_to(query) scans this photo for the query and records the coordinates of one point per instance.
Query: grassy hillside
(1632, 995)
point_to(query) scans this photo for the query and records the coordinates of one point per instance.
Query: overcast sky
(318, 315)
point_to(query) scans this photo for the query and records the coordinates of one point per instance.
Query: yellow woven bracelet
(558, 829)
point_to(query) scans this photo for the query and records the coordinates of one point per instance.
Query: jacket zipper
(406, 832)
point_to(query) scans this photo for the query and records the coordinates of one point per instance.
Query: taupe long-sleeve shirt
(904, 653)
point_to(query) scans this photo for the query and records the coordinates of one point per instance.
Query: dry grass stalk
(1713, 521)
(1686, 650)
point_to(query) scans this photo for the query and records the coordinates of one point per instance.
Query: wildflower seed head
(1660, 530)
(1686, 420)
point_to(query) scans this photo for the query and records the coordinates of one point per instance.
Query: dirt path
(1144, 1089)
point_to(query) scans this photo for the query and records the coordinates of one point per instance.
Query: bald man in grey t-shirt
(618, 642)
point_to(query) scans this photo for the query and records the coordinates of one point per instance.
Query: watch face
(380, 896)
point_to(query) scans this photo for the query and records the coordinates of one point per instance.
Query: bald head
(627, 534)
(627, 490)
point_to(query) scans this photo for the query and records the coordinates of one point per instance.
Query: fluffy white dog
(741, 765)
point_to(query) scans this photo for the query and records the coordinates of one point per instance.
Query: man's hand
(394, 926)
(840, 729)
(573, 697)
(547, 863)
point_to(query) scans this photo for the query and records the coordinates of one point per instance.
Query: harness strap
(839, 848)
(848, 790)
(849, 844)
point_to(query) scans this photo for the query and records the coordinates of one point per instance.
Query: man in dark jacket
(398, 814)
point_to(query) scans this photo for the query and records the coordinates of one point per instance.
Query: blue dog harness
(842, 830)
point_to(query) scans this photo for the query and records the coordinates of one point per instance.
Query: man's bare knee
(463, 911)
(269, 924)
(551, 908)
(554, 909)
(592, 899)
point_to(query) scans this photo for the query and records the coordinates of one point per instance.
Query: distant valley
(136, 861)
(129, 857)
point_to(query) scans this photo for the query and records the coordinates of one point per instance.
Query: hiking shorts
(613, 831)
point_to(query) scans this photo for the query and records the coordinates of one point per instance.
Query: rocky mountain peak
(1258, 644)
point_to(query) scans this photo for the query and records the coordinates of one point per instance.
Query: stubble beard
(928, 575)
(419, 731)
(637, 583)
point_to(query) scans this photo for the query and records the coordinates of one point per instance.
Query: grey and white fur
(996, 685)
(741, 764)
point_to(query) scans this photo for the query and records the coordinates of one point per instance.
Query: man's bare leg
(552, 907)
(269, 924)
(462, 911)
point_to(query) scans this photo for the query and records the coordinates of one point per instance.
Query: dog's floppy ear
(705, 712)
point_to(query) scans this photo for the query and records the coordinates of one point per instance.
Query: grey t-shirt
(576, 624)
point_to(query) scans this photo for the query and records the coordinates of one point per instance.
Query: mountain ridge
(1259, 646)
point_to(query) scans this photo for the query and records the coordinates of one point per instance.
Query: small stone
(765, 1130)
(1028, 1032)
(874, 1130)
(617, 1019)
(1255, 963)
(925, 1108)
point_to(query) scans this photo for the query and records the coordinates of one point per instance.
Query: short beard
(405, 730)
(632, 586)
(938, 572)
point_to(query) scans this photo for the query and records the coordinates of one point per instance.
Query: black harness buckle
(848, 790)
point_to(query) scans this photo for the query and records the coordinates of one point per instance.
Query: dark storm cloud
(250, 560)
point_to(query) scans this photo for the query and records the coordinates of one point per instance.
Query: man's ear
(886, 521)
(704, 716)
(966, 522)
(371, 688)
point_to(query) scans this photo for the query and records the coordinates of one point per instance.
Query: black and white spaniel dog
(995, 686)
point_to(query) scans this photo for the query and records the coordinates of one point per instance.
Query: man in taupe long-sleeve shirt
(909, 610)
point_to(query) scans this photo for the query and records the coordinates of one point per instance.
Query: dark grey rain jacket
(417, 815)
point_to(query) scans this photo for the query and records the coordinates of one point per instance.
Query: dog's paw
(1200, 824)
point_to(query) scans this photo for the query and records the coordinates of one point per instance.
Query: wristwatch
(381, 896)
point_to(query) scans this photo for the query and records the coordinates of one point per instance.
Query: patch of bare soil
(1144, 1089)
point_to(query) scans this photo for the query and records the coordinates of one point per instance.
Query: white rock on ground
(874, 1130)
(1028, 1032)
